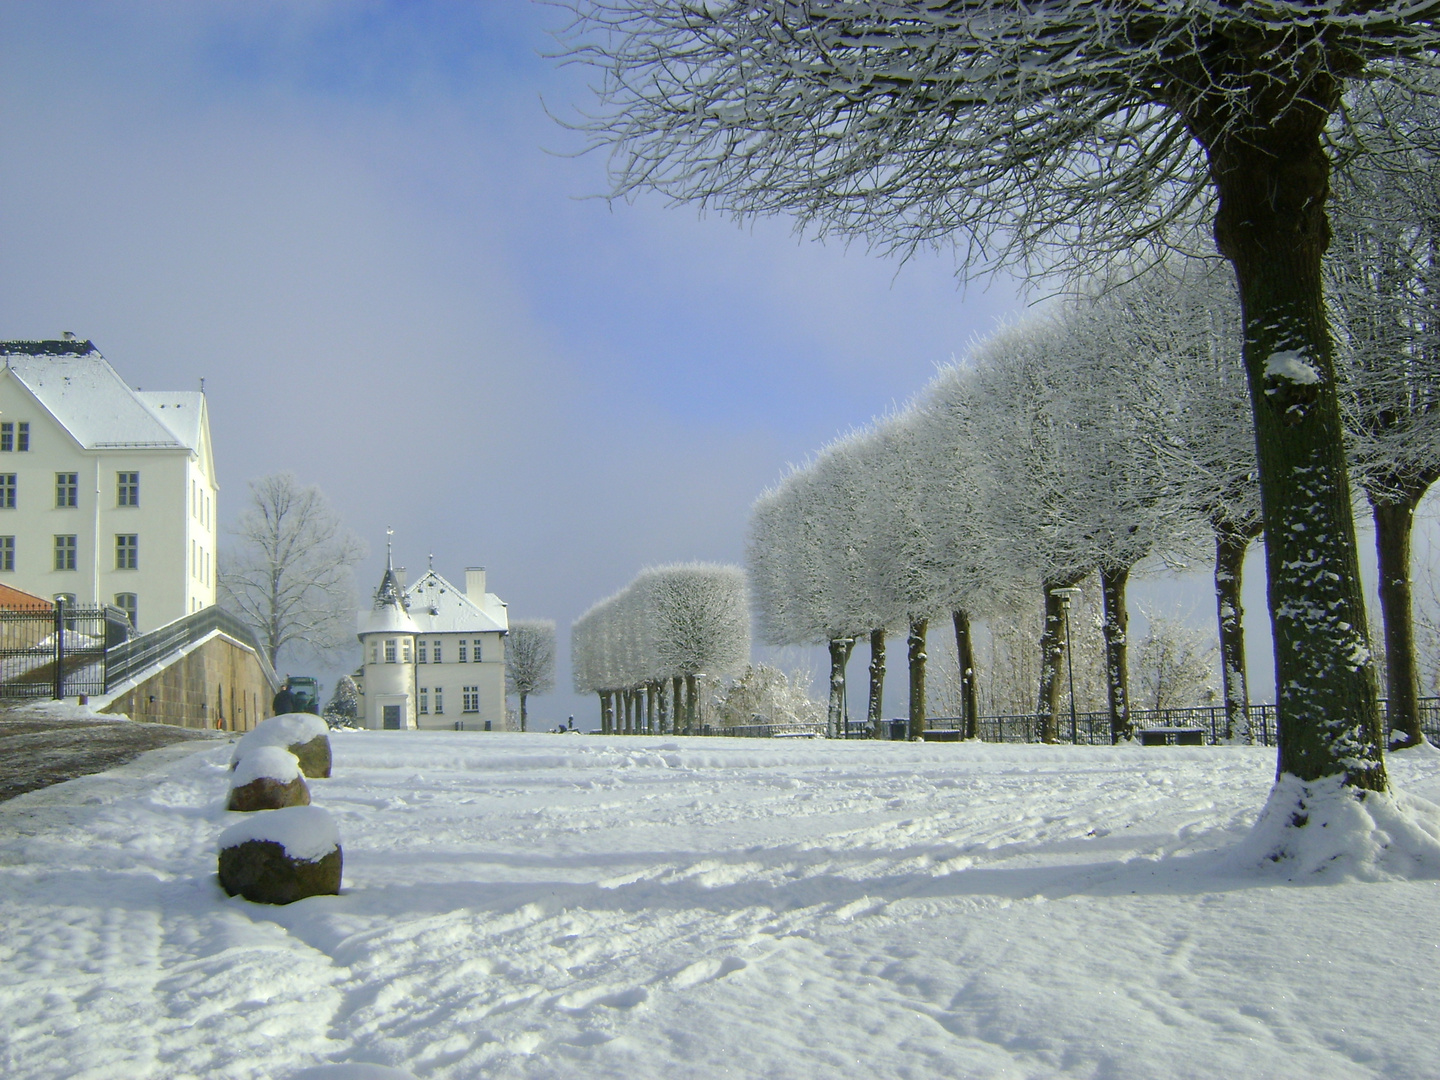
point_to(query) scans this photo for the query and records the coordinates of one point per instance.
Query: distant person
(285, 700)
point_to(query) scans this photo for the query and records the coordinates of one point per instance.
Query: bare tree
(530, 660)
(289, 573)
(1048, 135)
(1174, 665)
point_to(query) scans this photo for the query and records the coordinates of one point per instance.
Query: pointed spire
(390, 594)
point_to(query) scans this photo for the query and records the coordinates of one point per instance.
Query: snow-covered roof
(438, 607)
(89, 399)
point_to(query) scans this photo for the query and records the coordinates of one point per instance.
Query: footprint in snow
(608, 996)
(703, 971)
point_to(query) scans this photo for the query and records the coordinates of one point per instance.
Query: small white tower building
(387, 642)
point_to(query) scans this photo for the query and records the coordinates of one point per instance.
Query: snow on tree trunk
(1117, 672)
(875, 712)
(969, 689)
(1052, 656)
(1271, 225)
(1230, 547)
(919, 628)
(840, 648)
(1394, 524)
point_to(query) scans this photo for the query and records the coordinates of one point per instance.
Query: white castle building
(107, 494)
(433, 655)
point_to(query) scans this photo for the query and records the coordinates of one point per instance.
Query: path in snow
(559, 906)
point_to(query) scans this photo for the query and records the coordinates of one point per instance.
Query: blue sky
(359, 223)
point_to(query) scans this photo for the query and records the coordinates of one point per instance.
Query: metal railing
(137, 654)
(1091, 728)
(57, 650)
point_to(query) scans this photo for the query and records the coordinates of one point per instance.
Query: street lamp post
(1067, 595)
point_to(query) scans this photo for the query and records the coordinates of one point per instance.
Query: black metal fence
(60, 651)
(65, 651)
(1086, 728)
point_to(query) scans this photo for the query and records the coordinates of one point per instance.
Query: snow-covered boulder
(304, 734)
(281, 856)
(267, 778)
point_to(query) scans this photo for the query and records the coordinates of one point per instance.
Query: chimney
(475, 583)
(69, 335)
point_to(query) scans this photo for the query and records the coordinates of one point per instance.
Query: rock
(267, 778)
(267, 793)
(304, 734)
(281, 856)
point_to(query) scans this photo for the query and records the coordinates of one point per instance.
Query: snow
(545, 907)
(1292, 366)
(271, 762)
(60, 710)
(287, 729)
(307, 833)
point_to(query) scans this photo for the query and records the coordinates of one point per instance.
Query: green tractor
(304, 694)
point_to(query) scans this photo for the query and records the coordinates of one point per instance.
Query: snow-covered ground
(566, 906)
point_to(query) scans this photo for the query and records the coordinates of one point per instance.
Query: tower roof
(390, 611)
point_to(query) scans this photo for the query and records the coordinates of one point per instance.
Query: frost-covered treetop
(679, 620)
(1061, 128)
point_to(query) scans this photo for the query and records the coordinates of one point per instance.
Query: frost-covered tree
(1193, 402)
(344, 705)
(289, 573)
(530, 660)
(1383, 273)
(766, 695)
(810, 574)
(1054, 134)
(675, 624)
(1174, 665)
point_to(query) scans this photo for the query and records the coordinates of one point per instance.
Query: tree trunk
(522, 710)
(692, 696)
(1230, 546)
(677, 700)
(839, 657)
(1273, 181)
(919, 628)
(1052, 656)
(662, 709)
(605, 712)
(1394, 523)
(1117, 667)
(875, 714)
(969, 690)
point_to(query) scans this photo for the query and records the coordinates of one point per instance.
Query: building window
(128, 603)
(390, 650)
(22, 441)
(422, 649)
(424, 701)
(67, 489)
(7, 491)
(127, 489)
(7, 553)
(439, 701)
(8, 441)
(66, 598)
(470, 699)
(374, 653)
(127, 551)
(65, 552)
(437, 658)
(405, 651)
(475, 653)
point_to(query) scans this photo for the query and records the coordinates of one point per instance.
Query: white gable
(438, 607)
(90, 400)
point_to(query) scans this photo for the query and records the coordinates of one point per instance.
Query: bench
(944, 735)
(1172, 736)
